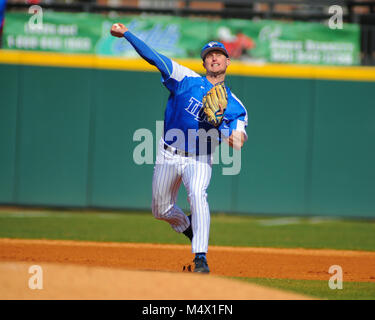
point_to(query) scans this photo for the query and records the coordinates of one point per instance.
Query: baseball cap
(212, 46)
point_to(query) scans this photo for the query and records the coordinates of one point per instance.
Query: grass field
(320, 289)
(253, 231)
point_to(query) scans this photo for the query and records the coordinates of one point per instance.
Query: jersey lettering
(195, 109)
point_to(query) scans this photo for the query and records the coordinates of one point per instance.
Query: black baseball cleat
(201, 265)
(189, 231)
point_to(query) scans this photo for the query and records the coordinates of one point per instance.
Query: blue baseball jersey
(185, 124)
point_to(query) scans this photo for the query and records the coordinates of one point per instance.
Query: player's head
(215, 57)
(213, 46)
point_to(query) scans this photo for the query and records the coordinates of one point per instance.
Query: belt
(179, 152)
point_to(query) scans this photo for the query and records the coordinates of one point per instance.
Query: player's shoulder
(180, 72)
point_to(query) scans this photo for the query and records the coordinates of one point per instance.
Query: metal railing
(266, 9)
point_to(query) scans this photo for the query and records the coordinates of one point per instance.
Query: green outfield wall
(66, 138)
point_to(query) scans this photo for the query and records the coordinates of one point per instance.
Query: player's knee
(156, 212)
(197, 195)
(159, 210)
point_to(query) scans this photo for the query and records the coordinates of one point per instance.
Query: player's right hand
(118, 30)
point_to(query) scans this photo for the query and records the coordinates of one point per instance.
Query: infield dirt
(100, 270)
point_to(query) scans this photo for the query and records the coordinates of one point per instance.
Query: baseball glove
(214, 104)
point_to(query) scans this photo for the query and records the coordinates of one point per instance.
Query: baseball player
(197, 104)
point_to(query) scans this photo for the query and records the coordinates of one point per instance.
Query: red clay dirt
(170, 259)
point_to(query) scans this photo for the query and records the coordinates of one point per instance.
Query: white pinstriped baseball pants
(195, 173)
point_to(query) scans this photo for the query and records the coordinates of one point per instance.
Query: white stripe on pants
(195, 173)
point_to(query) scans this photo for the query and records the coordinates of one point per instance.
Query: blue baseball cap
(212, 46)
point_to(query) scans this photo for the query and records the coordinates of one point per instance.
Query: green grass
(225, 230)
(301, 233)
(130, 227)
(320, 289)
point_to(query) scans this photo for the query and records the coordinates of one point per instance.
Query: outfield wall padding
(66, 138)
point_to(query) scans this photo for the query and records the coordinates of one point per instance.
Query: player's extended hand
(118, 30)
